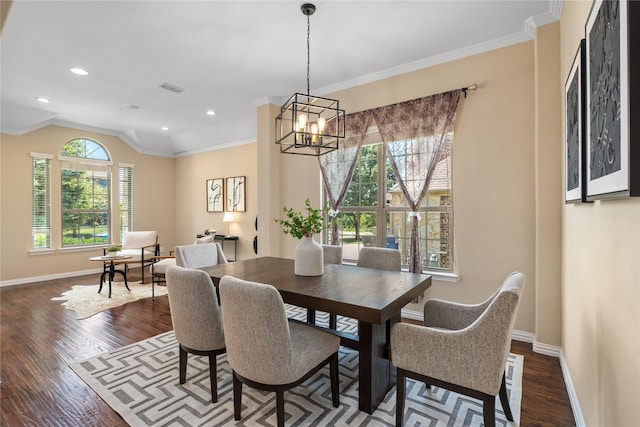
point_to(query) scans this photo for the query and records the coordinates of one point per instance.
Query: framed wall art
(215, 195)
(235, 194)
(575, 158)
(613, 112)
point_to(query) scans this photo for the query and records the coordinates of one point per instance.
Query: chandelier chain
(308, 55)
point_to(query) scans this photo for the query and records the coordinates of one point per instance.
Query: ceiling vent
(171, 88)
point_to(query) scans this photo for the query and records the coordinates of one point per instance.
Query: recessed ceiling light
(211, 113)
(78, 71)
(164, 128)
(43, 99)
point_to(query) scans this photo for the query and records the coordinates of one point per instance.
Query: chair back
(202, 255)
(256, 330)
(500, 315)
(195, 311)
(139, 239)
(380, 258)
(204, 239)
(332, 254)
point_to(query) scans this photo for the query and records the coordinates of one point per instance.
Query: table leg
(377, 375)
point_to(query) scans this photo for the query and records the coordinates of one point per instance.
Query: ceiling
(228, 56)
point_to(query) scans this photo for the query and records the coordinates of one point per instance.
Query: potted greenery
(309, 259)
(112, 251)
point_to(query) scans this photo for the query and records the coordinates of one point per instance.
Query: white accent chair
(461, 347)
(142, 246)
(268, 352)
(196, 318)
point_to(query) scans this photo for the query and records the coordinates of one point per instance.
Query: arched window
(86, 183)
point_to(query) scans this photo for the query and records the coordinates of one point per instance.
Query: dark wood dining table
(374, 297)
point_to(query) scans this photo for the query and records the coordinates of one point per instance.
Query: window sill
(82, 248)
(43, 251)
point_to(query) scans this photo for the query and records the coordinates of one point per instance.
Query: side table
(111, 262)
(222, 238)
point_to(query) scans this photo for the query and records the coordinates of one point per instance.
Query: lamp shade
(228, 217)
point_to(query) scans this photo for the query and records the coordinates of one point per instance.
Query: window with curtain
(41, 201)
(374, 212)
(85, 185)
(126, 199)
(399, 194)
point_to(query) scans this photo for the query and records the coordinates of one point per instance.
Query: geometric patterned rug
(140, 382)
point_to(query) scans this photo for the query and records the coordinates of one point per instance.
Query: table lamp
(228, 217)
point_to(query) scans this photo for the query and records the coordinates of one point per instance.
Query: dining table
(373, 297)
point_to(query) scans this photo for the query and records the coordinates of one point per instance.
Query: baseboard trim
(34, 279)
(571, 391)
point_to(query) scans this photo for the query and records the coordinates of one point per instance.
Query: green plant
(114, 248)
(300, 224)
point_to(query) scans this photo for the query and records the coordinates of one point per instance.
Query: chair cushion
(136, 254)
(160, 267)
(139, 239)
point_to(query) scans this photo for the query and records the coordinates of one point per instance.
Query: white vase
(309, 258)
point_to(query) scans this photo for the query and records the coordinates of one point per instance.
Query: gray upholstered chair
(196, 318)
(380, 258)
(159, 268)
(196, 256)
(461, 347)
(265, 350)
(332, 254)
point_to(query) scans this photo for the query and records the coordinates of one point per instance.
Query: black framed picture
(612, 128)
(575, 158)
(215, 195)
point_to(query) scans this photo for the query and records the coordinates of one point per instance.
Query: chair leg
(183, 364)
(237, 397)
(213, 377)
(280, 407)
(335, 381)
(400, 392)
(489, 411)
(504, 399)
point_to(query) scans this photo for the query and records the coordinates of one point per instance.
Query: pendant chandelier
(307, 124)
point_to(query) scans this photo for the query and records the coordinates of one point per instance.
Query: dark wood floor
(39, 339)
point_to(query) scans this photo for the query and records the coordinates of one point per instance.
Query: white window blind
(41, 201)
(126, 198)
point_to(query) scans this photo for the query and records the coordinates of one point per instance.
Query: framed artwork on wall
(612, 103)
(215, 195)
(235, 195)
(575, 150)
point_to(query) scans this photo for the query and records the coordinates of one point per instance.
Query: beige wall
(153, 188)
(493, 168)
(600, 286)
(190, 201)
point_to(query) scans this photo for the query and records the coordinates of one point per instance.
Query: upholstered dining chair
(332, 254)
(462, 348)
(196, 256)
(380, 258)
(141, 246)
(196, 318)
(265, 350)
(158, 268)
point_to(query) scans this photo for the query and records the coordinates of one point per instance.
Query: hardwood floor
(40, 338)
